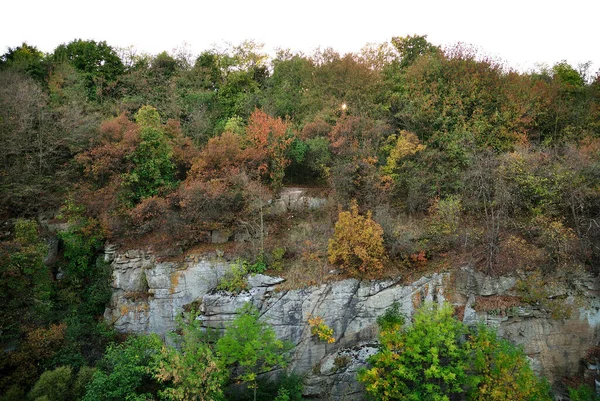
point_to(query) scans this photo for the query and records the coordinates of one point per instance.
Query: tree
(502, 371)
(434, 360)
(25, 282)
(61, 384)
(153, 169)
(25, 58)
(251, 347)
(426, 361)
(357, 244)
(124, 372)
(190, 372)
(411, 47)
(97, 61)
(268, 140)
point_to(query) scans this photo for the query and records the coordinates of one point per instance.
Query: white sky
(522, 32)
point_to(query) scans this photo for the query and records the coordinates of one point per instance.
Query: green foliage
(567, 75)
(25, 281)
(190, 372)
(502, 370)
(277, 257)
(392, 318)
(251, 347)
(147, 117)
(234, 280)
(411, 47)
(54, 385)
(433, 360)
(444, 221)
(426, 361)
(583, 393)
(25, 58)
(97, 61)
(124, 372)
(153, 169)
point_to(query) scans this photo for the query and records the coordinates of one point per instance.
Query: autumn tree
(268, 139)
(357, 244)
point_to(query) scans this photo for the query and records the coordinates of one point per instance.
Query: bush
(234, 280)
(55, 385)
(357, 244)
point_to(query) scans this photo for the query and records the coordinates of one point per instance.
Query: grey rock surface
(148, 295)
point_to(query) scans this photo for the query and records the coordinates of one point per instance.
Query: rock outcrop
(148, 295)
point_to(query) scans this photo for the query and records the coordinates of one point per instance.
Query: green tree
(190, 372)
(502, 372)
(53, 385)
(97, 61)
(250, 347)
(434, 359)
(25, 282)
(153, 169)
(424, 362)
(411, 47)
(27, 59)
(124, 372)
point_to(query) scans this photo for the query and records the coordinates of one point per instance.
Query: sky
(523, 33)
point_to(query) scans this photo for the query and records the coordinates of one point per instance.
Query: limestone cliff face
(148, 295)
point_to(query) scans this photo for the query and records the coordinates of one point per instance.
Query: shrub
(319, 328)
(357, 244)
(234, 280)
(125, 371)
(444, 221)
(55, 385)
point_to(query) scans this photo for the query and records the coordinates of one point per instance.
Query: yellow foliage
(407, 144)
(357, 243)
(174, 282)
(320, 329)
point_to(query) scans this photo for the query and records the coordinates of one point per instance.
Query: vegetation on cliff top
(443, 156)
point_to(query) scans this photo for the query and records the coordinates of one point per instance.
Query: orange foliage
(353, 134)
(357, 243)
(118, 138)
(269, 140)
(221, 157)
(315, 129)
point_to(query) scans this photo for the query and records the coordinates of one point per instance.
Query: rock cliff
(148, 295)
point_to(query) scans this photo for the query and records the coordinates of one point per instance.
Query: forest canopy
(423, 157)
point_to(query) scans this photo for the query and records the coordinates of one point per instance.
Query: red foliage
(315, 129)
(118, 138)
(221, 157)
(353, 134)
(269, 140)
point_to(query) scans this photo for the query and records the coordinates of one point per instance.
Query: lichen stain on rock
(174, 282)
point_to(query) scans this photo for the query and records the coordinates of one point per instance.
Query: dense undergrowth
(426, 159)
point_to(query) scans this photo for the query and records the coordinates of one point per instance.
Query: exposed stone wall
(148, 295)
